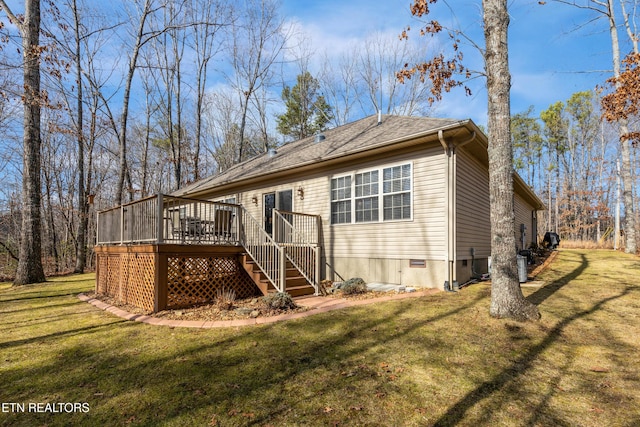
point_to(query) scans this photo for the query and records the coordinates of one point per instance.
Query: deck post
(316, 260)
(98, 234)
(161, 281)
(282, 270)
(121, 224)
(160, 224)
(242, 239)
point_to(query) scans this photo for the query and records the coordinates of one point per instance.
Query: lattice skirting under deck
(198, 280)
(156, 278)
(128, 278)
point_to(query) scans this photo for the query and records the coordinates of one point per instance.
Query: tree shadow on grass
(32, 310)
(57, 335)
(39, 295)
(219, 373)
(507, 378)
(539, 296)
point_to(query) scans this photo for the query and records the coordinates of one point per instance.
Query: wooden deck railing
(168, 219)
(298, 234)
(266, 253)
(179, 220)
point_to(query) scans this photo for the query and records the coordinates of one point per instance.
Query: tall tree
(30, 268)
(141, 37)
(527, 143)
(256, 45)
(341, 81)
(221, 125)
(606, 9)
(83, 205)
(307, 111)
(208, 17)
(379, 57)
(167, 69)
(507, 300)
(576, 156)
(556, 133)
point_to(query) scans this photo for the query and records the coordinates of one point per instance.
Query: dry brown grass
(436, 360)
(586, 244)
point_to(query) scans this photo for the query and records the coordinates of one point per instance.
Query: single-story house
(402, 200)
(392, 199)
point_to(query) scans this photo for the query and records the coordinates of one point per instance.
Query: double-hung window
(397, 192)
(341, 200)
(367, 205)
(376, 195)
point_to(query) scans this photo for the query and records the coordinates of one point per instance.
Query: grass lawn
(436, 360)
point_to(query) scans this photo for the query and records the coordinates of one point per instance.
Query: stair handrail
(309, 268)
(265, 251)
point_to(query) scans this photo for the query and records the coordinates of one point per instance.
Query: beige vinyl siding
(423, 236)
(473, 225)
(524, 216)
(375, 251)
(314, 200)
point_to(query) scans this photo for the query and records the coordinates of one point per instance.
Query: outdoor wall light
(301, 193)
(254, 199)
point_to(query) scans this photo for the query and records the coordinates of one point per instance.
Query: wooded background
(149, 95)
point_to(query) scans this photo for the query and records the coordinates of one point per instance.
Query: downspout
(450, 203)
(448, 284)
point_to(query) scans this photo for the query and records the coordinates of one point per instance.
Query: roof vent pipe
(379, 117)
(319, 137)
(271, 152)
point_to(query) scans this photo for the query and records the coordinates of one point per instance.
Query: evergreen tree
(307, 111)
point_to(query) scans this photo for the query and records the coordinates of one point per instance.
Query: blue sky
(555, 50)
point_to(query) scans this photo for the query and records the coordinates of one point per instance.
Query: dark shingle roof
(339, 142)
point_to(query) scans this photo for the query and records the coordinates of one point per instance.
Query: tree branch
(13, 18)
(9, 251)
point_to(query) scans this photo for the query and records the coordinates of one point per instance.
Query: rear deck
(167, 252)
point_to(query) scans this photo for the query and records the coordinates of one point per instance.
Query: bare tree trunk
(30, 264)
(83, 207)
(256, 46)
(133, 63)
(507, 299)
(625, 149)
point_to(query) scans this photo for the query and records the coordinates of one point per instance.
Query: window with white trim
(377, 195)
(341, 200)
(396, 183)
(366, 185)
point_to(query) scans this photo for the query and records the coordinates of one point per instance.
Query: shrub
(225, 298)
(354, 286)
(279, 301)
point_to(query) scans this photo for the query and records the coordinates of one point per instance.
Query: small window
(367, 196)
(341, 200)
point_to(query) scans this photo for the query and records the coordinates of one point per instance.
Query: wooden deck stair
(296, 284)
